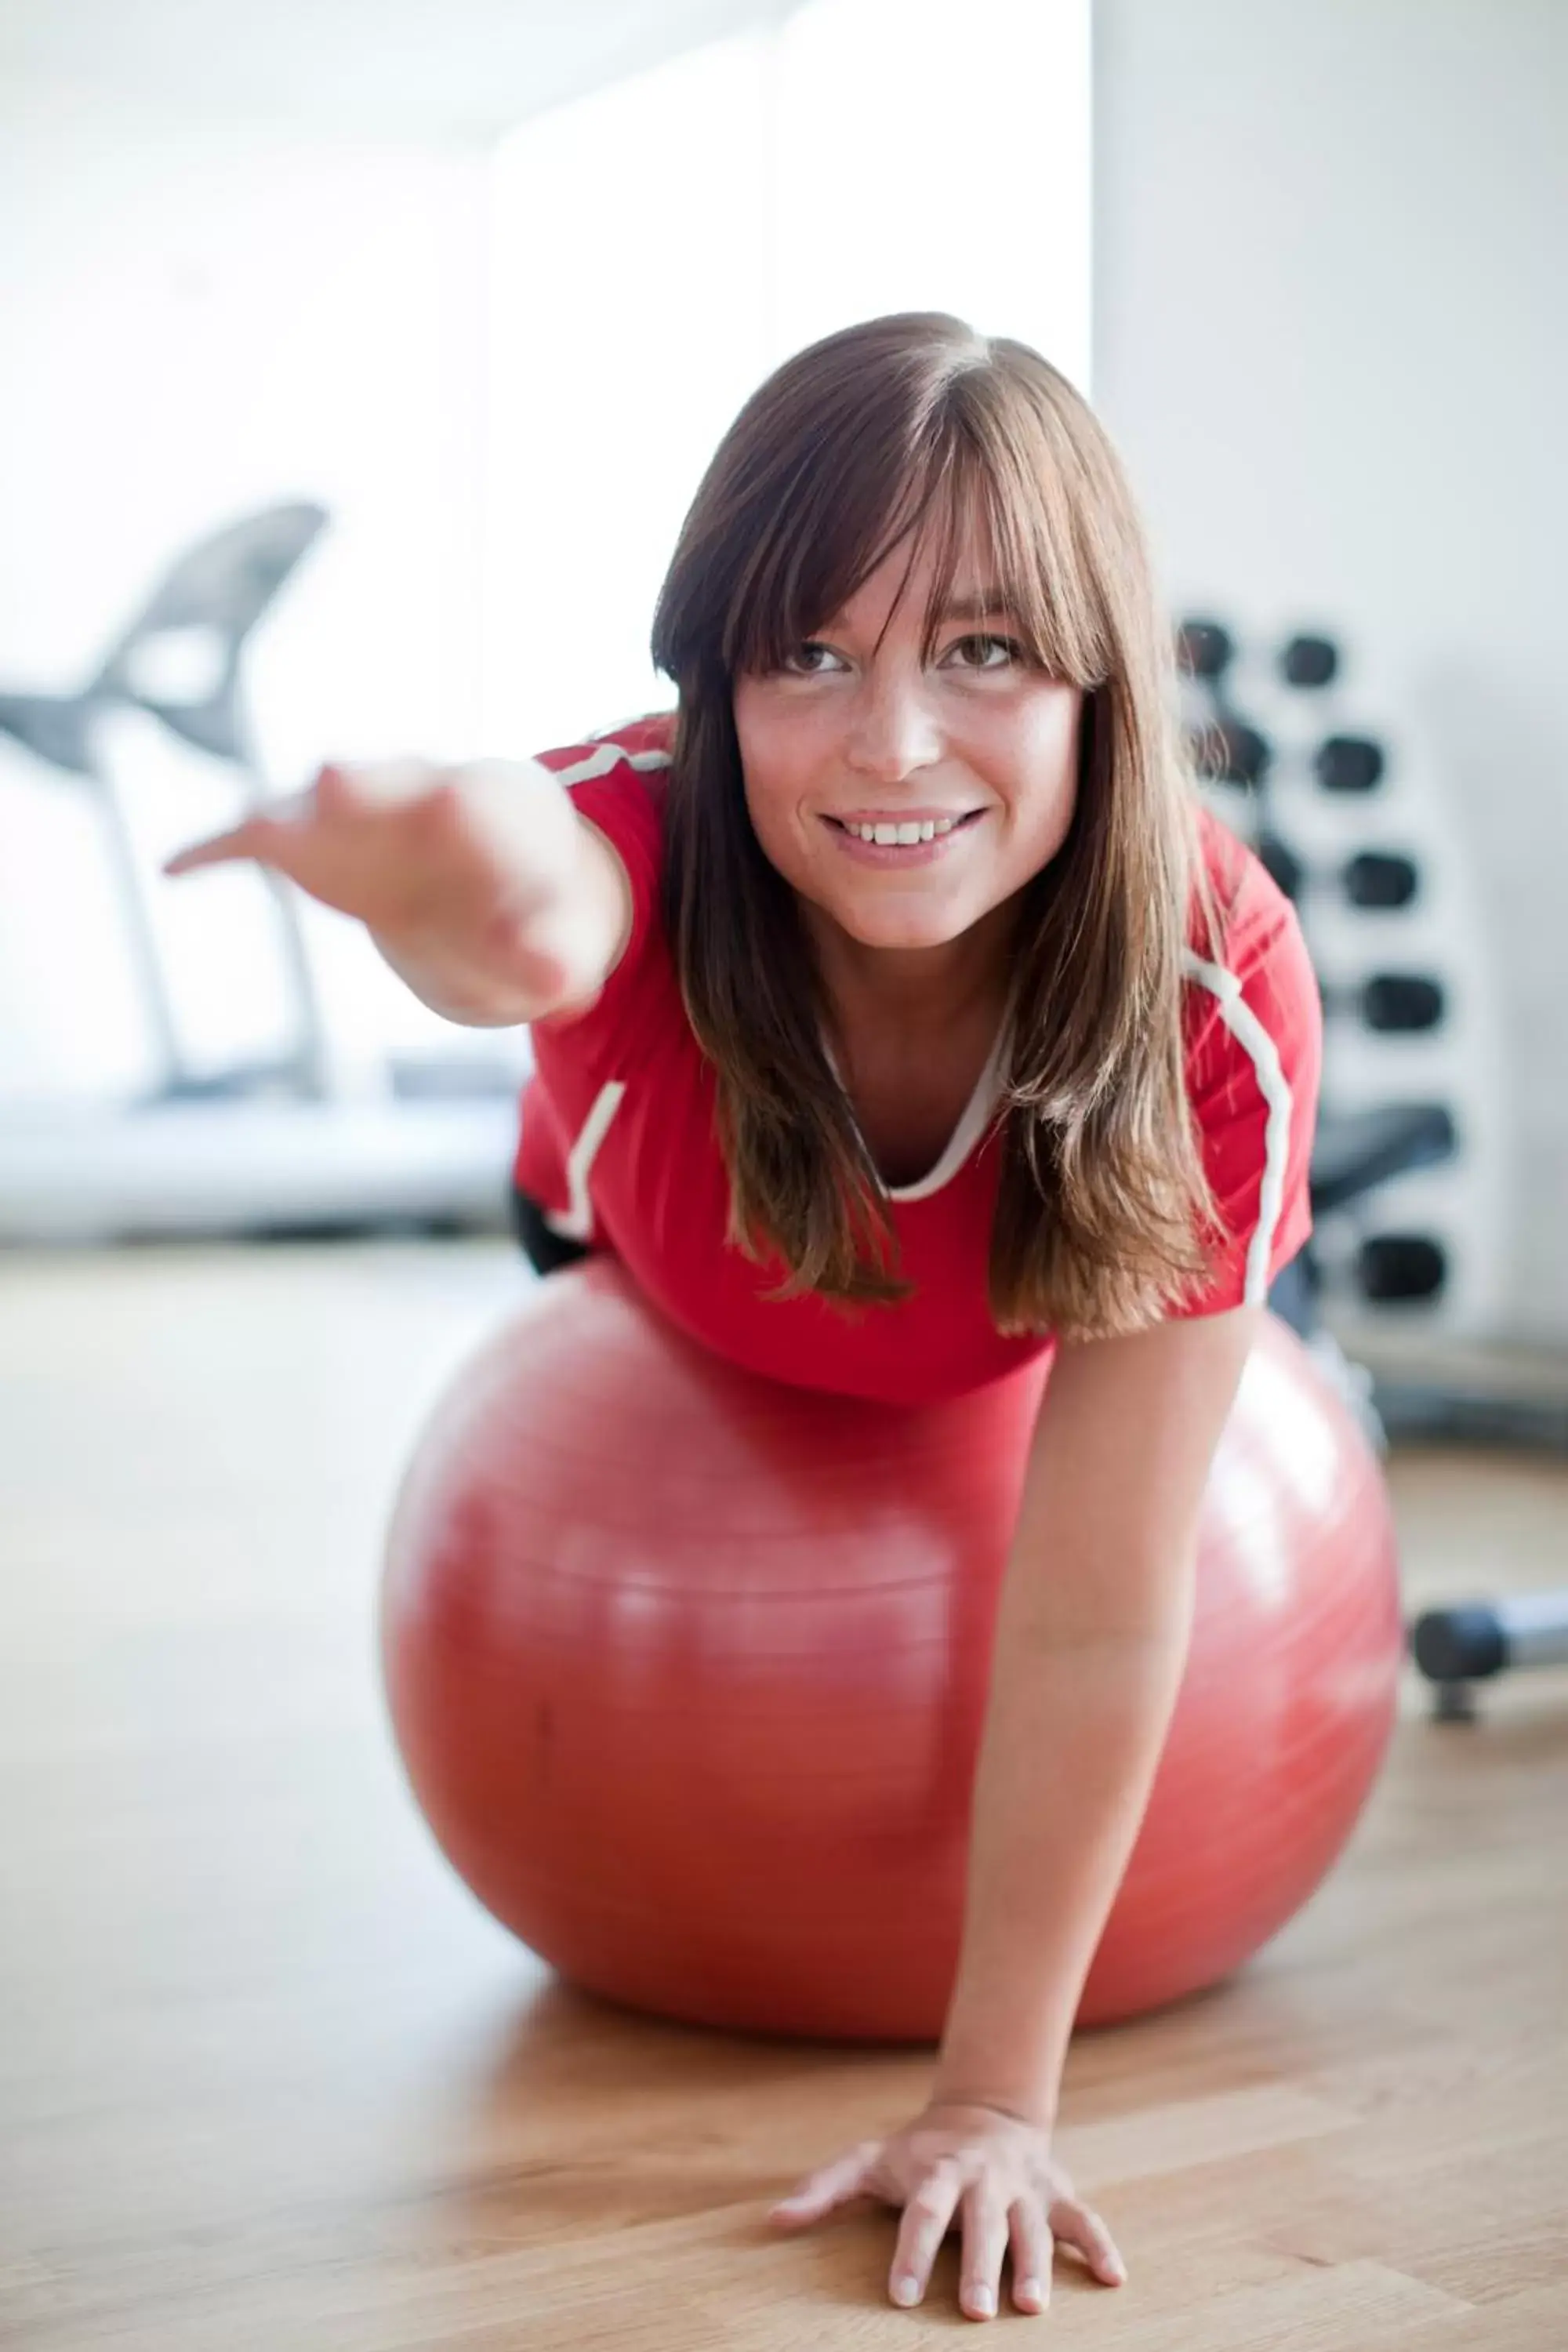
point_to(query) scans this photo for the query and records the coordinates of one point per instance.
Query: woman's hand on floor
(990, 2175)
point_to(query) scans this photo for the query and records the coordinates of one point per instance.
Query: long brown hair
(891, 432)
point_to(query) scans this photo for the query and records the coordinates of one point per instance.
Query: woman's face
(975, 751)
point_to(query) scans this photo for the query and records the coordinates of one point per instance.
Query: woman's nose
(891, 732)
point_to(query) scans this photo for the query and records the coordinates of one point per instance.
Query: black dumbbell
(1401, 1267)
(1402, 1004)
(1204, 649)
(1349, 763)
(1469, 1641)
(1373, 881)
(1309, 661)
(1227, 751)
(1381, 879)
(1391, 1003)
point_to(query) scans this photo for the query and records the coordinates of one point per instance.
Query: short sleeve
(1254, 1033)
(615, 781)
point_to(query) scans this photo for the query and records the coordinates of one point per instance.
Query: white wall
(1331, 341)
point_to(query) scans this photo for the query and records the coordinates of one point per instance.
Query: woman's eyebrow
(975, 607)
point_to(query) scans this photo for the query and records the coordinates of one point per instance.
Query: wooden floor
(268, 2078)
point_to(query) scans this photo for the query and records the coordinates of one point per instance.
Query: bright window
(659, 245)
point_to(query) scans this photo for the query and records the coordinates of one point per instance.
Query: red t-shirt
(619, 1145)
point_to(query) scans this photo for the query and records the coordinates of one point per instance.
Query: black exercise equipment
(302, 1142)
(1350, 763)
(1309, 661)
(1355, 1151)
(1401, 1269)
(1229, 751)
(1395, 1003)
(1387, 1002)
(1456, 1648)
(1460, 1646)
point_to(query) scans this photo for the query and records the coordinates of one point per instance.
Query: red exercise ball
(688, 1669)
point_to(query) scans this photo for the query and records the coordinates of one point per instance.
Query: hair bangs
(845, 522)
(997, 496)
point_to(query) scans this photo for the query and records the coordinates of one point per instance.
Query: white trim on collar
(973, 1121)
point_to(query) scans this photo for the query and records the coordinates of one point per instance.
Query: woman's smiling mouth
(900, 831)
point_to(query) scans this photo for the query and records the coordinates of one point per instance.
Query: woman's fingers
(252, 839)
(266, 834)
(832, 2184)
(928, 2217)
(995, 2178)
(1029, 2237)
(1081, 2226)
(984, 2245)
(343, 820)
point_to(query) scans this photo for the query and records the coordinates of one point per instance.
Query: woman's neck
(918, 992)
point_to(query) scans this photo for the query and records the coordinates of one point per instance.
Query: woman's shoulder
(1252, 993)
(616, 781)
(1237, 914)
(640, 744)
(616, 777)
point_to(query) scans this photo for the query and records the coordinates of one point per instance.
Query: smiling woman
(893, 1117)
(911, 590)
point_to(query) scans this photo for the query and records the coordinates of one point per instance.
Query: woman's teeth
(903, 836)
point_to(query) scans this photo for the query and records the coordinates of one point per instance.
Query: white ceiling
(446, 69)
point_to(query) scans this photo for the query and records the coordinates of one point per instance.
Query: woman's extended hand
(473, 873)
(390, 840)
(991, 2173)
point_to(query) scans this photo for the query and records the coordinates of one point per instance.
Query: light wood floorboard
(268, 2078)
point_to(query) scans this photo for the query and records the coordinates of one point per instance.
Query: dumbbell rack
(1346, 818)
(1345, 815)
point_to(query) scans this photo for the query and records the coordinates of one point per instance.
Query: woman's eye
(810, 660)
(986, 652)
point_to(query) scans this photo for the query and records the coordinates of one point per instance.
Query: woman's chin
(894, 934)
(913, 920)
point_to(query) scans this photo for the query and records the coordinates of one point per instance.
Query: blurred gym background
(358, 359)
(359, 365)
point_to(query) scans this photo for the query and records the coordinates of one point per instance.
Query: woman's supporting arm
(1091, 1639)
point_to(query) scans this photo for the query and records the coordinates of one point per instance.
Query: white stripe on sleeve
(1274, 1087)
(575, 1221)
(602, 758)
